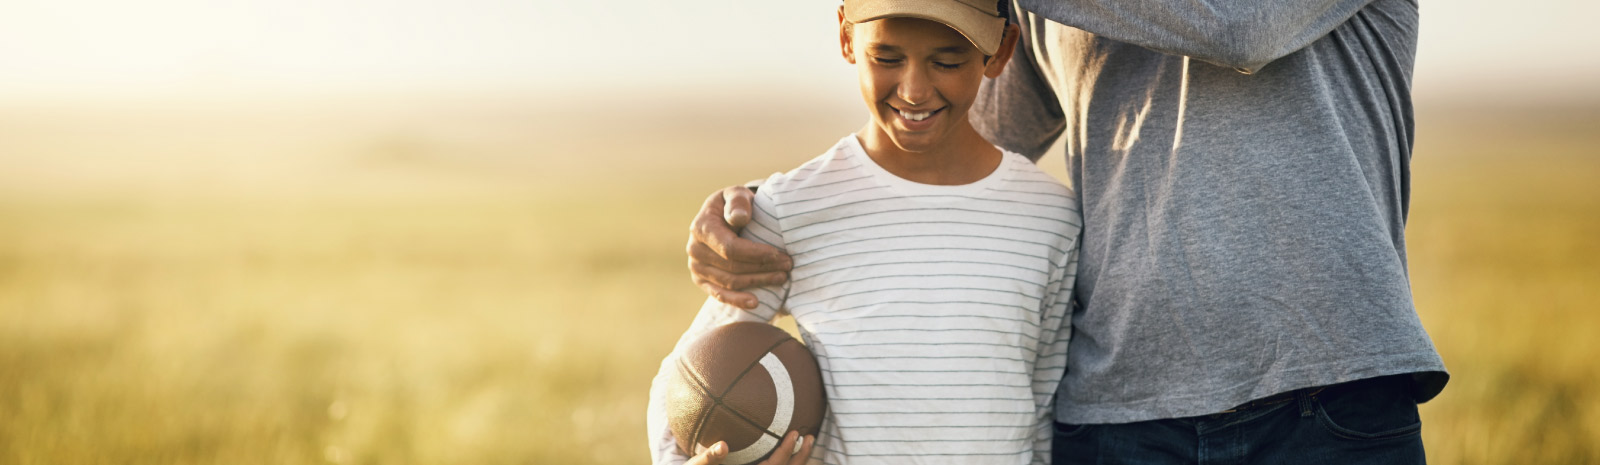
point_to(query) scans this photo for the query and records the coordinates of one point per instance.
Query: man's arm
(1241, 34)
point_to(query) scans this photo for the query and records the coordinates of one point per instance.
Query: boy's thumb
(711, 456)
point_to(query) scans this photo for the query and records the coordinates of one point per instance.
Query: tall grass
(482, 283)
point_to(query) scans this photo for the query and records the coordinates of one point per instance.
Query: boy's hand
(720, 261)
(780, 456)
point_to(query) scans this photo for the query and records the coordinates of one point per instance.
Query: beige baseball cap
(978, 20)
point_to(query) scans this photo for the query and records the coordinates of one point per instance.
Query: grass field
(493, 281)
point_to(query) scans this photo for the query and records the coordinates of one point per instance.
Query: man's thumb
(737, 215)
(736, 207)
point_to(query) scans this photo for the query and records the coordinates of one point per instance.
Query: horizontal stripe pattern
(935, 312)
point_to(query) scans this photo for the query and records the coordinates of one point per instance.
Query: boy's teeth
(916, 116)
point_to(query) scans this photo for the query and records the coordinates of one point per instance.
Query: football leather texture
(745, 383)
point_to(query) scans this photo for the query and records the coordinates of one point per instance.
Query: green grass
(451, 286)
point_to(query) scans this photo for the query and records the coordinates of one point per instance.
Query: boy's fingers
(712, 456)
(805, 451)
(785, 450)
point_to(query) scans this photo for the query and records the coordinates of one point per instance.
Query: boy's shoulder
(1027, 178)
(836, 166)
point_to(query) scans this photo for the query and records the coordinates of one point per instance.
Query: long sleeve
(763, 228)
(1051, 362)
(1240, 34)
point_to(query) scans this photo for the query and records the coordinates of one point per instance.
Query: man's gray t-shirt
(1244, 178)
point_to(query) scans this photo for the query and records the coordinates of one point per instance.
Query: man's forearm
(1241, 34)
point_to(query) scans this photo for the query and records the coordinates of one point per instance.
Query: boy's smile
(916, 119)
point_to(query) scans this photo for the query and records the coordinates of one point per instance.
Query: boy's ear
(846, 48)
(1008, 45)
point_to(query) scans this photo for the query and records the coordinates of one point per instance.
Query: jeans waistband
(1381, 382)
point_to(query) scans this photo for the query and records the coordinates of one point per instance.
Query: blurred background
(451, 232)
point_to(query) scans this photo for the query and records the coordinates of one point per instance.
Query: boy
(933, 272)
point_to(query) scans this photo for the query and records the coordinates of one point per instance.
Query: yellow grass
(469, 281)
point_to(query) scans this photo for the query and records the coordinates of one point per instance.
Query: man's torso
(1244, 234)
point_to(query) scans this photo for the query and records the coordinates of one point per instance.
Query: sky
(1470, 49)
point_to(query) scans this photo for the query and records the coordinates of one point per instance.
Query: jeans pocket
(1067, 431)
(1373, 412)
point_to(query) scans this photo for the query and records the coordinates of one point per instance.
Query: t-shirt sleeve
(764, 228)
(1054, 335)
(1018, 110)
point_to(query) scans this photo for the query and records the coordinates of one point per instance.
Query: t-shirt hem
(1426, 364)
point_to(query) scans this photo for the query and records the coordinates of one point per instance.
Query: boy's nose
(915, 86)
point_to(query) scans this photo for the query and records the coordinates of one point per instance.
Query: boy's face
(918, 77)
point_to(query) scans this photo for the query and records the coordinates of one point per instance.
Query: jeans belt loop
(1304, 396)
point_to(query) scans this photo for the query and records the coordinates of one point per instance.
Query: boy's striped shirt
(936, 313)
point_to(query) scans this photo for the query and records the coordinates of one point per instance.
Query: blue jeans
(1372, 421)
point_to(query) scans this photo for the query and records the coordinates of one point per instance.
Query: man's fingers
(755, 255)
(737, 204)
(744, 300)
(732, 281)
(706, 266)
(721, 262)
(712, 456)
(703, 254)
(724, 242)
(711, 228)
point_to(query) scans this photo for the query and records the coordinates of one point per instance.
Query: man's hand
(780, 456)
(721, 262)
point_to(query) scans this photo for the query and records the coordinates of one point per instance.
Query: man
(1243, 170)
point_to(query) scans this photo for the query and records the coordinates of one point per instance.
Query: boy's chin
(914, 143)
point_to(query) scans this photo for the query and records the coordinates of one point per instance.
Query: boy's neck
(963, 158)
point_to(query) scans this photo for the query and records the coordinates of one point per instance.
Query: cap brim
(982, 29)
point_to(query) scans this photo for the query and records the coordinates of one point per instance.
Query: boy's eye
(887, 61)
(943, 65)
